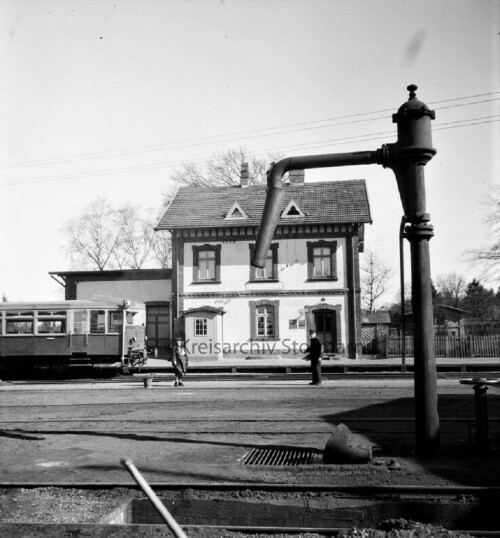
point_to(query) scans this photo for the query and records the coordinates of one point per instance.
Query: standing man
(180, 359)
(315, 350)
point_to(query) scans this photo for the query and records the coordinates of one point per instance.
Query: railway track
(290, 509)
(66, 434)
(218, 372)
(17, 416)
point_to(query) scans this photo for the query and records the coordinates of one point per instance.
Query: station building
(223, 305)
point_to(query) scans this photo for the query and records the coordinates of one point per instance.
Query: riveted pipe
(276, 194)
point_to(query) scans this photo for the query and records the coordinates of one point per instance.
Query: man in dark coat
(180, 359)
(315, 350)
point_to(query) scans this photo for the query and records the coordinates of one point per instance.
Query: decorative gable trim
(290, 229)
(292, 210)
(236, 213)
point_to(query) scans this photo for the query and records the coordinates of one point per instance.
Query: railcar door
(102, 343)
(79, 334)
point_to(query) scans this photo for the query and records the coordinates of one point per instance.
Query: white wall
(236, 321)
(139, 291)
(292, 267)
(292, 274)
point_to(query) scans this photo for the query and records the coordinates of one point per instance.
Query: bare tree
(489, 256)
(136, 242)
(94, 236)
(375, 276)
(167, 196)
(104, 238)
(451, 288)
(162, 248)
(224, 170)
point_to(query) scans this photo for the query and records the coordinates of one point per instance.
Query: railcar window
(19, 327)
(97, 321)
(19, 323)
(115, 322)
(130, 317)
(51, 322)
(80, 321)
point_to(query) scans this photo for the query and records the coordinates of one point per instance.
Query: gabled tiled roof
(324, 202)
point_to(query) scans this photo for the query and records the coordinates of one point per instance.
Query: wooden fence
(448, 346)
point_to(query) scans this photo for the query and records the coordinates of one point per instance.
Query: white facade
(292, 267)
(223, 306)
(297, 298)
(139, 291)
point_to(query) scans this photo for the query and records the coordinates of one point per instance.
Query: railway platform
(342, 365)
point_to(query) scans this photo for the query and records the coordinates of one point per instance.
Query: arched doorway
(325, 322)
(325, 319)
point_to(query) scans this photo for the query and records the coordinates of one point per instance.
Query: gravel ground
(56, 435)
(63, 513)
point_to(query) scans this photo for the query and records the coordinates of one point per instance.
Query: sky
(107, 98)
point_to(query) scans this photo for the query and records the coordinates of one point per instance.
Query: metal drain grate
(279, 456)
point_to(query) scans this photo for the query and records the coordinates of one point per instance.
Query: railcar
(100, 334)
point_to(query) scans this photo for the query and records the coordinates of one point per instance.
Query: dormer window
(236, 213)
(292, 210)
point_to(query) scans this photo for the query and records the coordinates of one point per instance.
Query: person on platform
(315, 351)
(180, 362)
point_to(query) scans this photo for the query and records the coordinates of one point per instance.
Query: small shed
(374, 330)
(449, 320)
(202, 331)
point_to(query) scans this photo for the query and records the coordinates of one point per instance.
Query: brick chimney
(244, 179)
(296, 177)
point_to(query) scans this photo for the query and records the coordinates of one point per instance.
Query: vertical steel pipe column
(407, 158)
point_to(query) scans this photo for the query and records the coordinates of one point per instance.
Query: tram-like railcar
(56, 335)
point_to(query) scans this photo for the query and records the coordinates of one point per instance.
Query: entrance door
(158, 327)
(326, 329)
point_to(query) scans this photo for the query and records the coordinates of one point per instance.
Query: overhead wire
(250, 134)
(139, 168)
(313, 145)
(380, 135)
